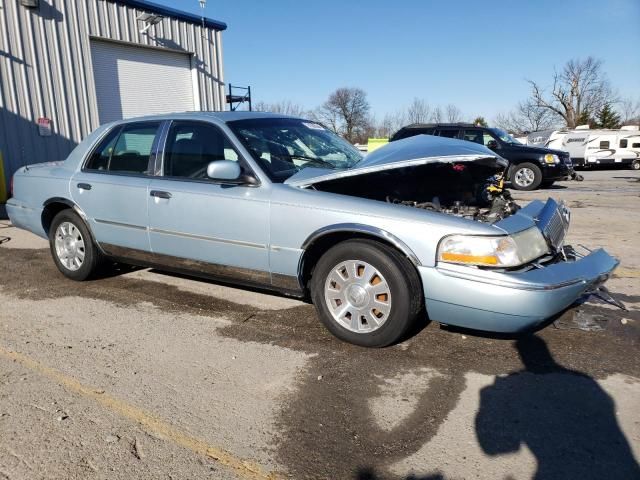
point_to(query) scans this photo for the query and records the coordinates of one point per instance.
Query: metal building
(67, 66)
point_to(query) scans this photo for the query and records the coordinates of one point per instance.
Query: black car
(529, 167)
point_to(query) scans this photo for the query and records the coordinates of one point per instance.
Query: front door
(196, 223)
(112, 188)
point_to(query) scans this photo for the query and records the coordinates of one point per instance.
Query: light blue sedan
(420, 227)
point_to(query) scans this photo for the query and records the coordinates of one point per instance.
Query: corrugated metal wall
(46, 71)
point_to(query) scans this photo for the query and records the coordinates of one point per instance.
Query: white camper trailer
(603, 147)
(547, 138)
(593, 147)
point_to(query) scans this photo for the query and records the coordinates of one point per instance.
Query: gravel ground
(141, 374)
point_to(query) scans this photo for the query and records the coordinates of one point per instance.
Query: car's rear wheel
(526, 176)
(635, 165)
(72, 247)
(366, 293)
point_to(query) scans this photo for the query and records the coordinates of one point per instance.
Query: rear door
(198, 223)
(111, 187)
(473, 135)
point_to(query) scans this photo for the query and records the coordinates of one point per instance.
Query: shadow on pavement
(563, 416)
(370, 474)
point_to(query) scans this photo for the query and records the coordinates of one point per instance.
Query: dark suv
(529, 167)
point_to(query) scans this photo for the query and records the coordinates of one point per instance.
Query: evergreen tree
(607, 118)
(585, 119)
(480, 122)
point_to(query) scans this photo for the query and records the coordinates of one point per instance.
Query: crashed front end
(518, 298)
(506, 278)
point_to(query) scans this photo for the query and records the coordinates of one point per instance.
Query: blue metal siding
(46, 69)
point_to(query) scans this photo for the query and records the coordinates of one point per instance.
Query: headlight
(503, 251)
(551, 159)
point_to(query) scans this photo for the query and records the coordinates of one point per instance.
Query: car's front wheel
(366, 293)
(526, 176)
(72, 247)
(635, 165)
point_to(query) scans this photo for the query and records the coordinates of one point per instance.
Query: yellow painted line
(243, 468)
(622, 272)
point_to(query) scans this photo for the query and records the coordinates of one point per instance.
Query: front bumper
(510, 301)
(561, 171)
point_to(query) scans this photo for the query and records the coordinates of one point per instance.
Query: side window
(635, 145)
(191, 146)
(126, 149)
(449, 132)
(604, 144)
(623, 143)
(473, 136)
(102, 154)
(486, 138)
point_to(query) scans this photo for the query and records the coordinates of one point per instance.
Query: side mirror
(492, 145)
(227, 170)
(224, 170)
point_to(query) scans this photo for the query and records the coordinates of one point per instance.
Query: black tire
(401, 277)
(521, 169)
(635, 165)
(92, 257)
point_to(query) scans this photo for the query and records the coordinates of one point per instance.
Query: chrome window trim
(122, 126)
(162, 146)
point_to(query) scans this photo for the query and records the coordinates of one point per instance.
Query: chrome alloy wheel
(69, 246)
(357, 296)
(524, 177)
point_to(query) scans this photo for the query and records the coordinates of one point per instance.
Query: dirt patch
(326, 429)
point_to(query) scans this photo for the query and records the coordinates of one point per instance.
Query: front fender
(365, 229)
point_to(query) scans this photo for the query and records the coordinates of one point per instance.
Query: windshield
(504, 136)
(284, 146)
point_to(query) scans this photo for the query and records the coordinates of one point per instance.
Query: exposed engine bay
(473, 190)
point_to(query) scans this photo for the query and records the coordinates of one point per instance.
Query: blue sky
(474, 54)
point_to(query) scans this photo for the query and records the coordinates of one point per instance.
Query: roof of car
(432, 125)
(219, 116)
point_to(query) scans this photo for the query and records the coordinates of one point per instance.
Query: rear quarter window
(126, 149)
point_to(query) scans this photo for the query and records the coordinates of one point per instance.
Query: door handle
(84, 186)
(160, 194)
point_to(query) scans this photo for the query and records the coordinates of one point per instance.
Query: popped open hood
(409, 152)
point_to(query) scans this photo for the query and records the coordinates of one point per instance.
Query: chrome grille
(553, 221)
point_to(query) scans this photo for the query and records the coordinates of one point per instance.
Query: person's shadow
(563, 416)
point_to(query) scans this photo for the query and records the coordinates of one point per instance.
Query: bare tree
(580, 86)
(390, 124)
(528, 117)
(418, 112)
(286, 107)
(453, 113)
(346, 112)
(629, 111)
(437, 115)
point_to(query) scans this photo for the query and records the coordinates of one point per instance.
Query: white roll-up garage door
(132, 81)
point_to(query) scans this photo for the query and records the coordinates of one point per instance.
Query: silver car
(419, 228)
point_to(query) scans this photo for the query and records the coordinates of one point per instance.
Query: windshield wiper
(314, 160)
